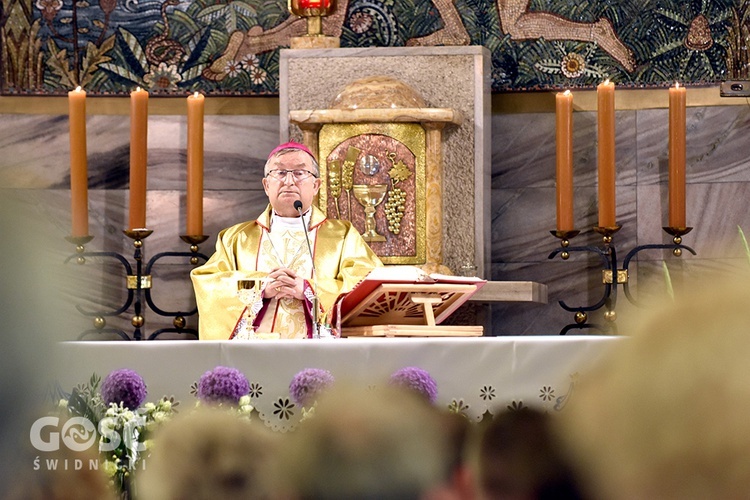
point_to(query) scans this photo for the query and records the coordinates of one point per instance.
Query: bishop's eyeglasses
(297, 174)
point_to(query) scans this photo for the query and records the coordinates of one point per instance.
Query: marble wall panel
(108, 216)
(714, 210)
(523, 218)
(716, 144)
(523, 149)
(36, 149)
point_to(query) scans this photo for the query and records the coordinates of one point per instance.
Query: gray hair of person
(366, 443)
(208, 453)
(282, 152)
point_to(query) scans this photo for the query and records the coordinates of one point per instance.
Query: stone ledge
(511, 291)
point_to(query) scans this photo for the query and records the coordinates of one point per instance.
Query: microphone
(298, 208)
(315, 306)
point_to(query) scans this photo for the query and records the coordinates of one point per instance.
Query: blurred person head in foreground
(519, 459)
(206, 454)
(30, 311)
(667, 415)
(383, 442)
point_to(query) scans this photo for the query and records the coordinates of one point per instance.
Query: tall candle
(605, 94)
(677, 96)
(79, 190)
(138, 157)
(564, 164)
(194, 218)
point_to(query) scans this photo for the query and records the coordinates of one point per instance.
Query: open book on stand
(405, 301)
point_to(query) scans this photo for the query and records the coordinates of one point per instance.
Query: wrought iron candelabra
(138, 284)
(612, 274)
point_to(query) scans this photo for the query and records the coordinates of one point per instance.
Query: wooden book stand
(381, 308)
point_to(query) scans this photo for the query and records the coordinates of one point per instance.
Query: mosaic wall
(225, 47)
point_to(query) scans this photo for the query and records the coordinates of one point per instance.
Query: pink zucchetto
(291, 145)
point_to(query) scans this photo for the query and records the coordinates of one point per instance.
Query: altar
(473, 375)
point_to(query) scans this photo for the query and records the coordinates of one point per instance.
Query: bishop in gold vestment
(274, 248)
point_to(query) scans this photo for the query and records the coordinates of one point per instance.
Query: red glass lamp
(313, 11)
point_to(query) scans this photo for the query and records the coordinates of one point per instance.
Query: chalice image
(249, 292)
(370, 196)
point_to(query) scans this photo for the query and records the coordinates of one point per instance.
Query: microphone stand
(315, 302)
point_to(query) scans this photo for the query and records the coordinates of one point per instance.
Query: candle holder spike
(677, 232)
(194, 239)
(79, 240)
(139, 286)
(607, 231)
(80, 243)
(612, 275)
(138, 234)
(565, 235)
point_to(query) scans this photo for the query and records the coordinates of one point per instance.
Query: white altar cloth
(474, 375)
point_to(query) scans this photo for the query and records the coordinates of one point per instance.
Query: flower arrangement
(223, 385)
(124, 387)
(121, 420)
(308, 384)
(123, 442)
(416, 379)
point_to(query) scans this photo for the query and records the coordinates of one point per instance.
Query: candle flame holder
(138, 285)
(612, 274)
(313, 12)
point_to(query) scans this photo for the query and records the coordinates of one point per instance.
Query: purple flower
(222, 385)
(126, 387)
(416, 379)
(308, 384)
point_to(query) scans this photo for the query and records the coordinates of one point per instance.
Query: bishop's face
(291, 177)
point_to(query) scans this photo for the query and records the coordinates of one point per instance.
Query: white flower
(573, 65)
(308, 413)
(244, 405)
(250, 61)
(108, 422)
(149, 407)
(160, 416)
(127, 416)
(233, 68)
(109, 468)
(258, 75)
(62, 404)
(165, 405)
(164, 77)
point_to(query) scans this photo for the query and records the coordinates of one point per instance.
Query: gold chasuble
(253, 249)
